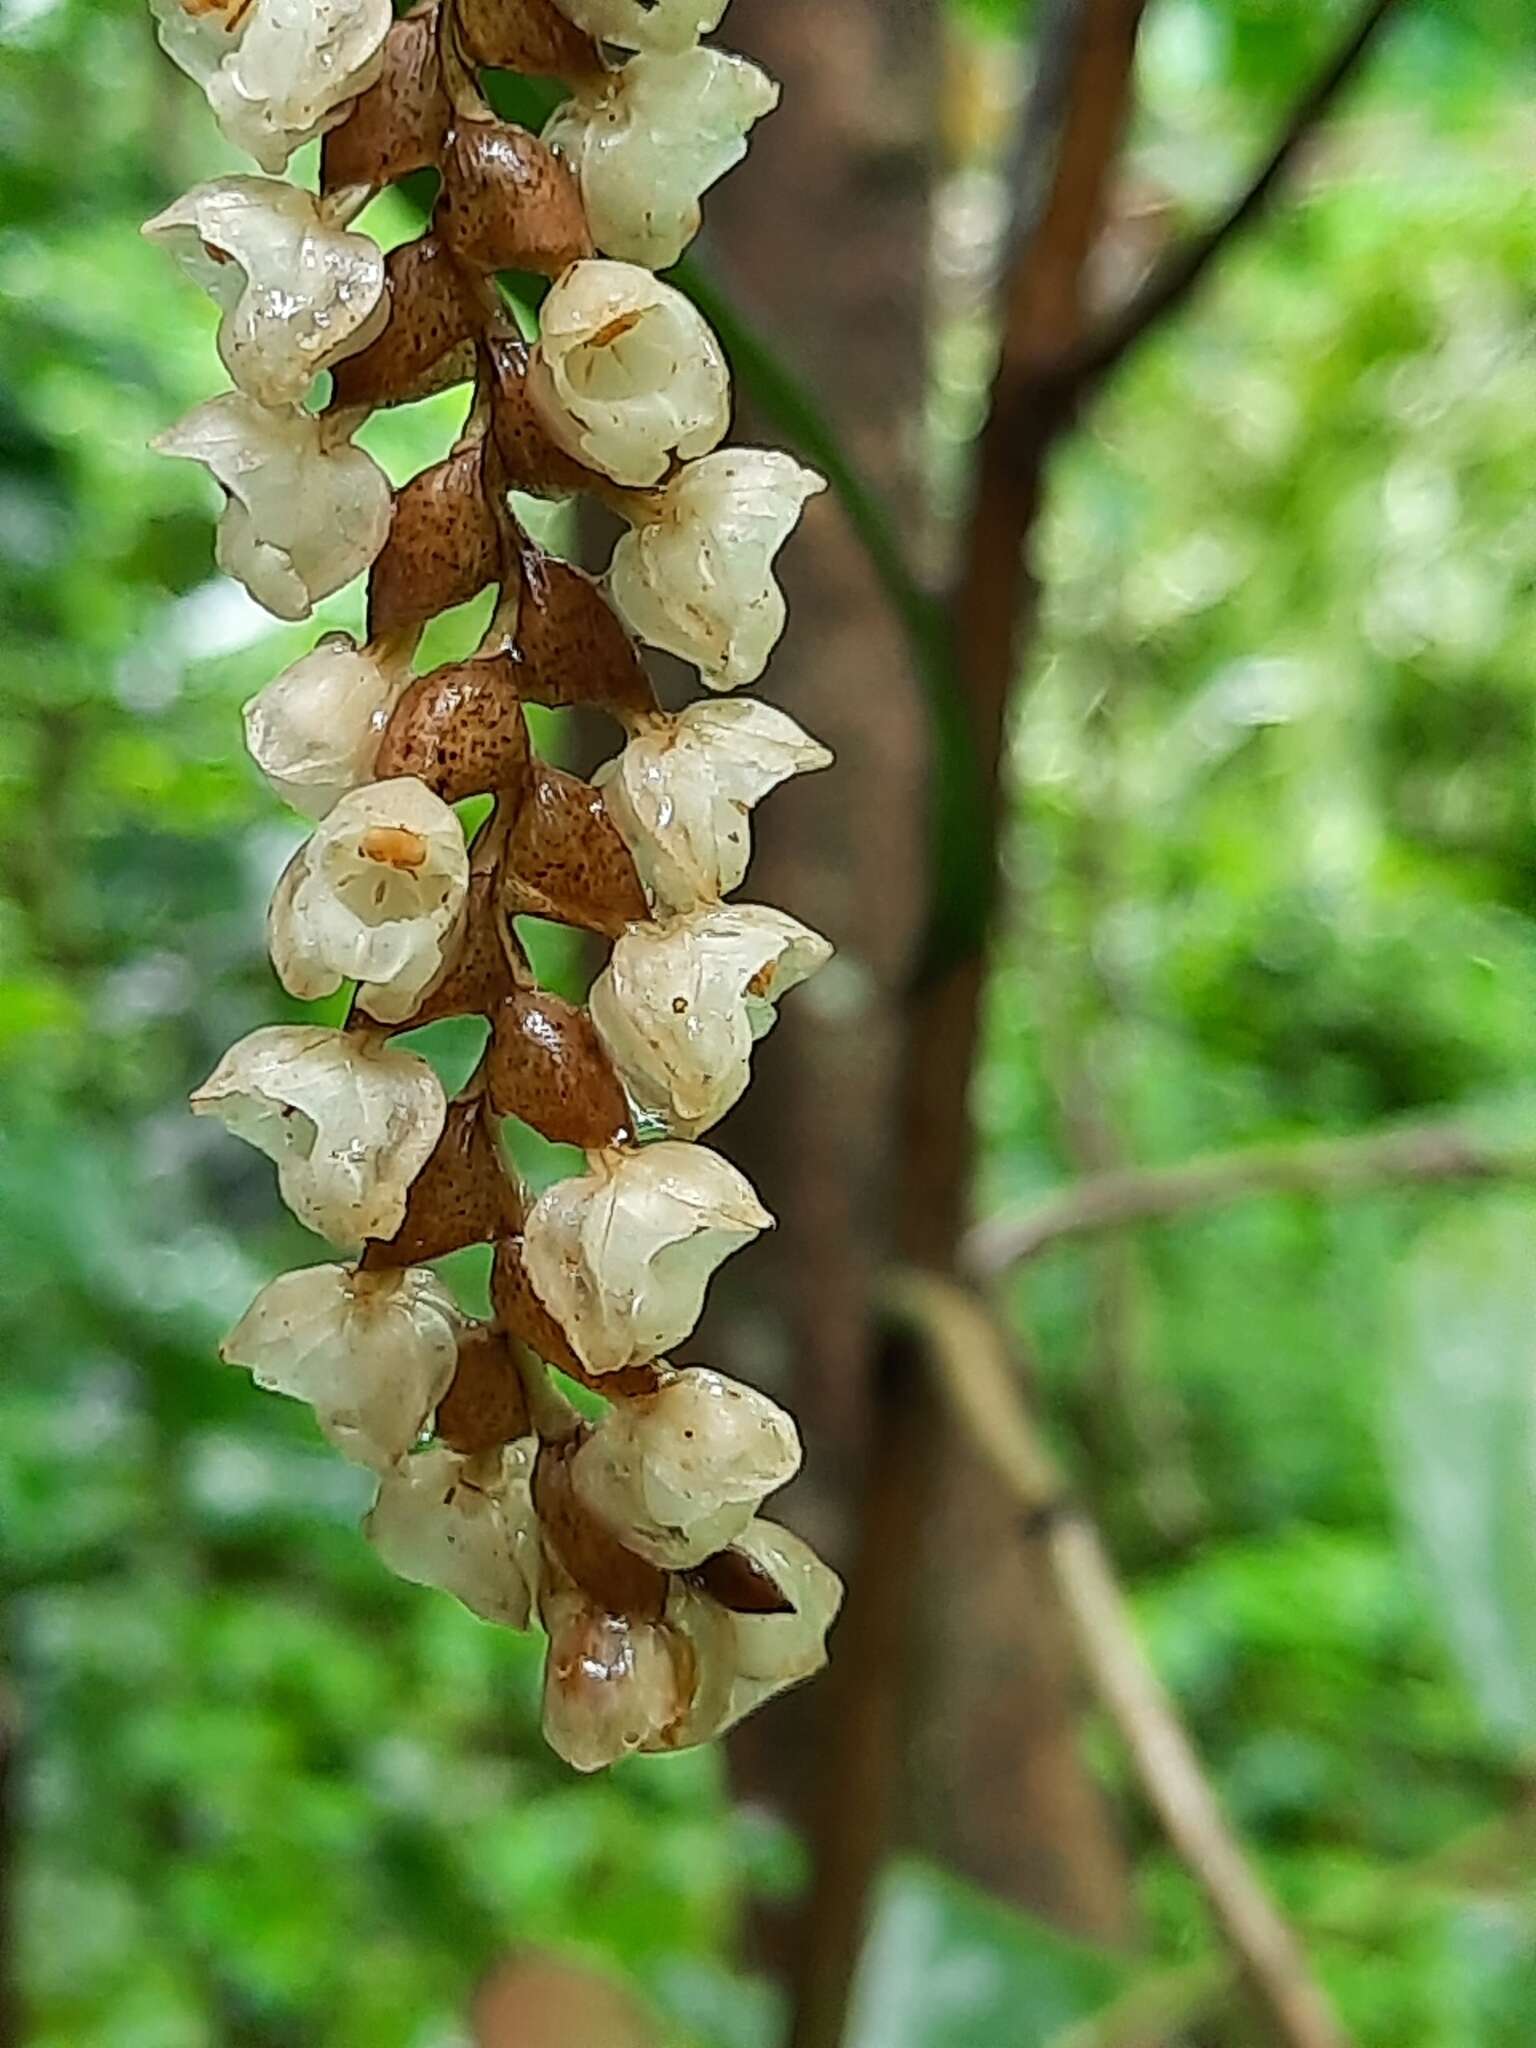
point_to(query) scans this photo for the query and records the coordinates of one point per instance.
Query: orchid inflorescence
(671, 1608)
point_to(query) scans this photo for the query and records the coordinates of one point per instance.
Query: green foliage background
(1274, 826)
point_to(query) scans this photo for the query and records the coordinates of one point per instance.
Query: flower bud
(348, 1122)
(372, 1353)
(297, 292)
(680, 1005)
(610, 1685)
(276, 72)
(650, 141)
(646, 24)
(697, 578)
(315, 730)
(373, 896)
(464, 1525)
(682, 791)
(626, 373)
(621, 1255)
(677, 1475)
(304, 513)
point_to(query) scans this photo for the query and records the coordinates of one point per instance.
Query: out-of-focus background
(1273, 820)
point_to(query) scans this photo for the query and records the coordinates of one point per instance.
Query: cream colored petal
(314, 731)
(679, 1474)
(376, 896)
(645, 24)
(697, 579)
(611, 1686)
(622, 1255)
(626, 374)
(681, 794)
(679, 1005)
(372, 1353)
(298, 293)
(349, 1122)
(647, 146)
(465, 1526)
(304, 514)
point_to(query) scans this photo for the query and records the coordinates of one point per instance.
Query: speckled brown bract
(565, 859)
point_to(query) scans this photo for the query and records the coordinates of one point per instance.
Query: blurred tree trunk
(826, 247)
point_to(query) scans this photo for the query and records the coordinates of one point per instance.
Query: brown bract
(444, 544)
(478, 976)
(738, 1582)
(486, 1403)
(531, 460)
(546, 1064)
(534, 38)
(508, 202)
(571, 647)
(520, 1312)
(462, 1196)
(612, 1577)
(566, 861)
(460, 730)
(434, 313)
(399, 123)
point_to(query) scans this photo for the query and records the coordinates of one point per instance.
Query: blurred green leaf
(947, 1967)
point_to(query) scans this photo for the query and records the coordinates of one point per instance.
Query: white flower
(621, 1256)
(682, 791)
(304, 512)
(645, 24)
(679, 1474)
(697, 578)
(372, 1353)
(626, 373)
(314, 731)
(298, 292)
(374, 895)
(350, 1123)
(745, 1659)
(276, 72)
(464, 1525)
(651, 141)
(679, 1005)
(611, 1686)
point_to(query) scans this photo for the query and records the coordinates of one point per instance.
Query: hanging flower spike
(349, 1122)
(679, 1474)
(645, 24)
(695, 578)
(680, 1005)
(682, 792)
(315, 730)
(465, 1526)
(304, 512)
(626, 374)
(374, 895)
(649, 141)
(372, 1353)
(670, 1608)
(277, 72)
(622, 1255)
(298, 293)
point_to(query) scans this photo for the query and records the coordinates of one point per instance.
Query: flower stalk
(671, 1606)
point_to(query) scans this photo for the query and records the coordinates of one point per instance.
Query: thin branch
(969, 1355)
(1174, 280)
(1419, 1154)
